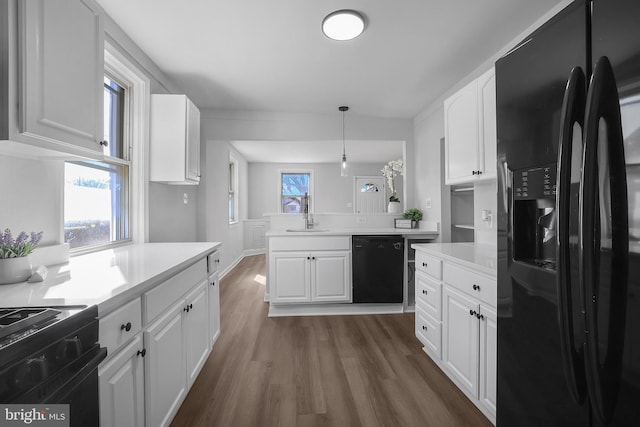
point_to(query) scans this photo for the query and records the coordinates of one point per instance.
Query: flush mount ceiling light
(343, 25)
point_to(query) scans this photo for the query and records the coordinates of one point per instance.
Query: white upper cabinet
(175, 140)
(55, 77)
(470, 132)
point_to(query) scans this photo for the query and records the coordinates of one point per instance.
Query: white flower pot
(13, 270)
(394, 207)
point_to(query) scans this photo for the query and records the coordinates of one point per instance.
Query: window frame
(311, 188)
(232, 177)
(135, 144)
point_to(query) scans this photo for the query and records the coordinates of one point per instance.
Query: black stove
(50, 355)
(18, 323)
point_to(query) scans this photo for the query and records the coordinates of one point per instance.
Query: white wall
(31, 197)
(331, 192)
(427, 166)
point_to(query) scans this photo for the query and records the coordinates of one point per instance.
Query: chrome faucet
(308, 223)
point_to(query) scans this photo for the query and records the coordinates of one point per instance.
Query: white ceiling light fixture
(343, 25)
(343, 164)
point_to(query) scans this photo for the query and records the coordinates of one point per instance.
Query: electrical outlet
(361, 220)
(349, 204)
(428, 204)
(185, 198)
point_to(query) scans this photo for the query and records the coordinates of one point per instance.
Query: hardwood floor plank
(342, 371)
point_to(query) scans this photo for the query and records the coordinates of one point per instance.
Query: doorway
(370, 195)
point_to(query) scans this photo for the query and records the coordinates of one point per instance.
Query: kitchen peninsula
(311, 272)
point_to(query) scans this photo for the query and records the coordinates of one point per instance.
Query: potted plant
(413, 214)
(15, 265)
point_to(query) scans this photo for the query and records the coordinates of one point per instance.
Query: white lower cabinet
(165, 367)
(177, 347)
(196, 331)
(488, 359)
(460, 345)
(290, 277)
(310, 276)
(147, 374)
(122, 387)
(214, 308)
(457, 324)
(330, 277)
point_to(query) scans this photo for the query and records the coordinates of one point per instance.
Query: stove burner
(17, 320)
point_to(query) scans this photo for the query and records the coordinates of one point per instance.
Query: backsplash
(332, 221)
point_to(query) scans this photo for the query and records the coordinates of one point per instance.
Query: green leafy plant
(413, 214)
(21, 246)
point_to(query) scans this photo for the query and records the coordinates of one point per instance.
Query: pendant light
(343, 164)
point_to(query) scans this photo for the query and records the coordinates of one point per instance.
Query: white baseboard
(250, 252)
(276, 310)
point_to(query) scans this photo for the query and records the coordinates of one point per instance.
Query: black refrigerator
(568, 121)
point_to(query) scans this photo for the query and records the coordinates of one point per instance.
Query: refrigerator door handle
(573, 107)
(603, 365)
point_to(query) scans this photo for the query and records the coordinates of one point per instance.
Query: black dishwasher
(377, 269)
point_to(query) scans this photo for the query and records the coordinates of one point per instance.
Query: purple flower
(22, 238)
(20, 247)
(35, 238)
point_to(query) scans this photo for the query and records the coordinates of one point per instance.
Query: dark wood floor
(317, 371)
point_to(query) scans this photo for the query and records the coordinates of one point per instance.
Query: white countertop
(355, 231)
(479, 257)
(106, 278)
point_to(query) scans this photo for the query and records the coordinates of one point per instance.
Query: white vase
(13, 270)
(394, 207)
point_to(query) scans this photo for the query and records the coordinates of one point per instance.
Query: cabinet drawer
(429, 295)
(471, 282)
(429, 332)
(429, 264)
(168, 292)
(118, 327)
(213, 262)
(310, 243)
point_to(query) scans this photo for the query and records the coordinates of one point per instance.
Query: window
(293, 185)
(96, 193)
(233, 183)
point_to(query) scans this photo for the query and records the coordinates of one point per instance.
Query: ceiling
(262, 55)
(272, 56)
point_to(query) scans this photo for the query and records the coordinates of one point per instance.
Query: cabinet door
(487, 123)
(165, 367)
(460, 342)
(62, 71)
(197, 331)
(122, 388)
(193, 142)
(331, 276)
(214, 308)
(461, 134)
(488, 358)
(289, 277)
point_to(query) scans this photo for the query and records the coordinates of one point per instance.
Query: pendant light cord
(343, 146)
